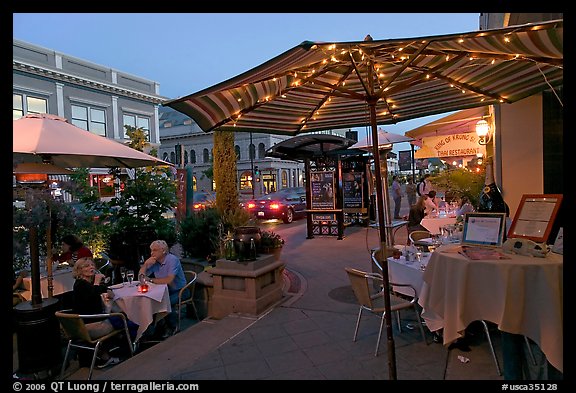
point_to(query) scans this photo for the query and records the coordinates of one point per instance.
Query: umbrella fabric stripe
(533, 43)
(544, 44)
(510, 77)
(476, 82)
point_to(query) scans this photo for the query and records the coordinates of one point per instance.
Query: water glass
(130, 277)
(123, 274)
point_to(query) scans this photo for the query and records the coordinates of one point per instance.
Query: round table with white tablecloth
(433, 224)
(62, 282)
(521, 295)
(142, 308)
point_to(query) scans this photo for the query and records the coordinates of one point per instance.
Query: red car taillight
(251, 205)
(275, 205)
(197, 206)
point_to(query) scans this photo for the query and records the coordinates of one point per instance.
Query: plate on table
(116, 286)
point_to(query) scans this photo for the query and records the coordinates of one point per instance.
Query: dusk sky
(186, 53)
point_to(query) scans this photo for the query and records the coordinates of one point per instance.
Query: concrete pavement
(308, 334)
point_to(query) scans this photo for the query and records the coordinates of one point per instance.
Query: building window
(165, 156)
(137, 122)
(237, 150)
(192, 156)
(284, 179)
(23, 105)
(173, 157)
(105, 184)
(261, 150)
(89, 119)
(206, 156)
(185, 157)
(252, 151)
(246, 181)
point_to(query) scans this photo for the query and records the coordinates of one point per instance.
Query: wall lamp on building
(483, 132)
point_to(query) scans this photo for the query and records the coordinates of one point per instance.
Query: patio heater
(37, 328)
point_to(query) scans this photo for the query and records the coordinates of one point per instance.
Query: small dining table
(520, 294)
(401, 271)
(62, 281)
(433, 224)
(142, 308)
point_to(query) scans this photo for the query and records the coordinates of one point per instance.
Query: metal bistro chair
(78, 336)
(362, 285)
(416, 236)
(191, 277)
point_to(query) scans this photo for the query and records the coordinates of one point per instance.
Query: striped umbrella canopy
(317, 86)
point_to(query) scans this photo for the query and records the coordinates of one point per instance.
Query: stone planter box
(245, 287)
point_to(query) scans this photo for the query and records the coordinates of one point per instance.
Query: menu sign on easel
(322, 190)
(535, 216)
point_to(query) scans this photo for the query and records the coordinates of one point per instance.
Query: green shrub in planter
(199, 234)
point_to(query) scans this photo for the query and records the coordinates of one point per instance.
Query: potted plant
(271, 243)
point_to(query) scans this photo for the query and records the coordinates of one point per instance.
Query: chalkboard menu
(322, 190)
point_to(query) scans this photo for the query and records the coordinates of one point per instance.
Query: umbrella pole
(380, 190)
(49, 273)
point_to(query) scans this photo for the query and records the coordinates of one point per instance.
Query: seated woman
(430, 204)
(416, 214)
(464, 207)
(88, 289)
(72, 250)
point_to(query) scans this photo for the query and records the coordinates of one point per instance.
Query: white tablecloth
(62, 281)
(433, 224)
(143, 308)
(522, 295)
(403, 272)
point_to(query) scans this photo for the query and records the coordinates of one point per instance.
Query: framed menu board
(535, 216)
(322, 190)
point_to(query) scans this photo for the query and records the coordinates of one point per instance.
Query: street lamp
(483, 132)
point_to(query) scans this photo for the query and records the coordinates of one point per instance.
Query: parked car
(203, 200)
(286, 205)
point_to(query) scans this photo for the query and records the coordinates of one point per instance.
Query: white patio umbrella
(49, 138)
(45, 138)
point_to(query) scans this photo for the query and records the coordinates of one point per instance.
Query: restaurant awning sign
(455, 145)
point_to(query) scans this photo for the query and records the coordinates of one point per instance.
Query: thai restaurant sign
(454, 145)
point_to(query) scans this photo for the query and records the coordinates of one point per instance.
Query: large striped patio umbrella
(327, 85)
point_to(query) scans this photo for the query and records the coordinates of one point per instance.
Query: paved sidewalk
(308, 335)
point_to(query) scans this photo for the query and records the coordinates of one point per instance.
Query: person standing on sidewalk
(411, 192)
(397, 196)
(425, 185)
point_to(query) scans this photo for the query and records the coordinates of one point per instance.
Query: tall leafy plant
(225, 172)
(461, 182)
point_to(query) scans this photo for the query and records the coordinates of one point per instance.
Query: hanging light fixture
(483, 132)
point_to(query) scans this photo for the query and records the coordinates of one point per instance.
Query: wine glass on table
(123, 274)
(419, 258)
(130, 277)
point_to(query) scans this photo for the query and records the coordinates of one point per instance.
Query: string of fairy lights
(344, 71)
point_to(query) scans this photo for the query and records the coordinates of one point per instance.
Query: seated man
(165, 268)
